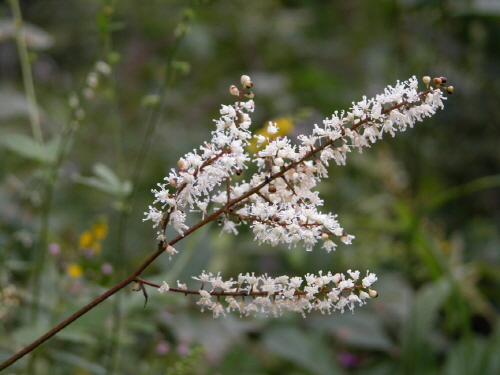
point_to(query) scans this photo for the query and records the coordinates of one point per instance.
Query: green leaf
(489, 363)
(307, 350)
(360, 330)
(29, 148)
(106, 180)
(78, 361)
(464, 357)
(481, 183)
(419, 338)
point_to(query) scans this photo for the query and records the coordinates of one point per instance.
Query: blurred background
(101, 98)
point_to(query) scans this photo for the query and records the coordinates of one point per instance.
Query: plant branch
(241, 293)
(162, 246)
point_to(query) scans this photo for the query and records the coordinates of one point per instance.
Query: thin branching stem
(162, 246)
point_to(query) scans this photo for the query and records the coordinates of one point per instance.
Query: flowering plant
(278, 201)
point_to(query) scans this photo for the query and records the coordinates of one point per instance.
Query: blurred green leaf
(107, 181)
(28, 147)
(489, 361)
(486, 182)
(308, 350)
(420, 339)
(359, 330)
(78, 361)
(76, 335)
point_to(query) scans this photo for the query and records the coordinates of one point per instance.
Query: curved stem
(163, 245)
(82, 311)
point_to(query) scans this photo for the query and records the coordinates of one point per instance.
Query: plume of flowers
(279, 201)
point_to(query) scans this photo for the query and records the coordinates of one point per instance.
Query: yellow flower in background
(285, 126)
(86, 240)
(91, 239)
(74, 270)
(100, 229)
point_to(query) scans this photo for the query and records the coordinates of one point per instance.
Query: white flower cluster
(279, 200)
(285, 210)
(199, 173)
(272, 296)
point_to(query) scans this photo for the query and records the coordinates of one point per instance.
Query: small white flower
(354, 274)
(369, 279)
(170, 251)
(163, 288)
(272, 128)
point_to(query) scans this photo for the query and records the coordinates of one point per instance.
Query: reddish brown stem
(238, 292)
(161, 248)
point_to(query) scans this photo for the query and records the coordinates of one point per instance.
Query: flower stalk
(278, 202)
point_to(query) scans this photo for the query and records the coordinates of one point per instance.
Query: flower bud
(449, 89)
(246, 81)
(181, 163)
(249, 95)
(426, 80)
(234, 90)
(443, 79)
(437, 81)
(272, 189)
(372, 293)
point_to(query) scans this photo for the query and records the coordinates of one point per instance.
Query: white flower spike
(279, 201)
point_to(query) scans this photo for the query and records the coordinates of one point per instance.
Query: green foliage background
(424, 206)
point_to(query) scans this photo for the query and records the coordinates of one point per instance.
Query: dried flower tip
(426, 80)
(437, 81)
(449, 89)
(173, 181)
(443, 79)
(249, 95)
(272, 189)
(234, 90)
(372, 293)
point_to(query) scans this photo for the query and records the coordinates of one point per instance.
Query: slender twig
(242, 293)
